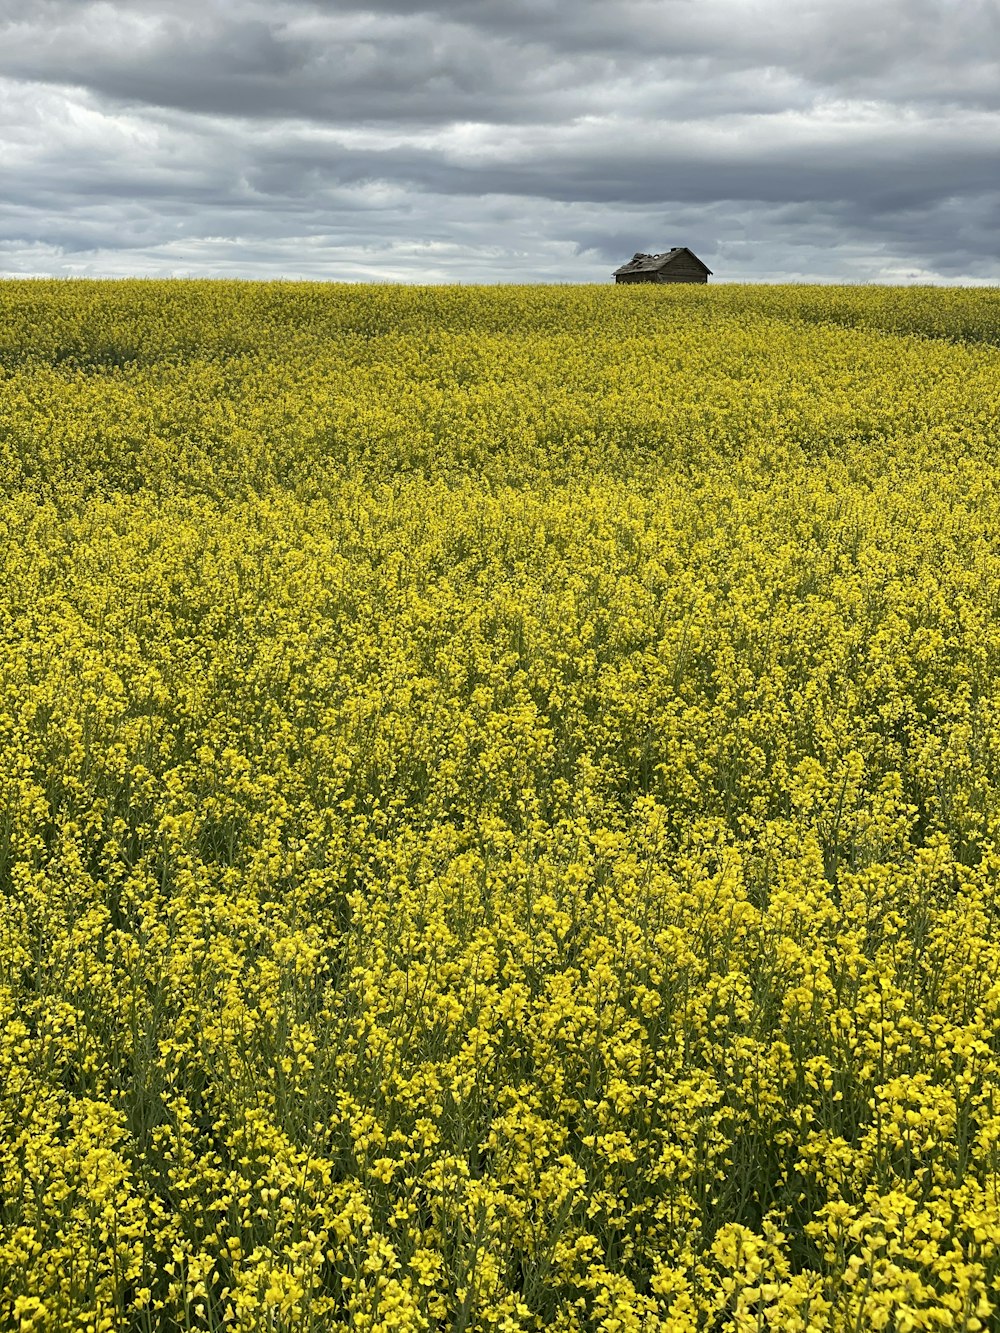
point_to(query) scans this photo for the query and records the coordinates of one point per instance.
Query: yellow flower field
(499, 808)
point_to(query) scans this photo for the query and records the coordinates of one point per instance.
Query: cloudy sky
(501, 140)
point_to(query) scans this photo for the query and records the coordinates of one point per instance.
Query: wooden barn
(677, 265)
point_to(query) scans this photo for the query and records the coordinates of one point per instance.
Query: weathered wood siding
(672, 276)
(683, 269)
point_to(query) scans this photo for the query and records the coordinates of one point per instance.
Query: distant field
(499, 808)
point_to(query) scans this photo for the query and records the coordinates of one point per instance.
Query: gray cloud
(500, 139)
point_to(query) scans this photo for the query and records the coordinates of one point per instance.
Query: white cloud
(500, 139)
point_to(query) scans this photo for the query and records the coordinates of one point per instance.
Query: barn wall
(683, 269)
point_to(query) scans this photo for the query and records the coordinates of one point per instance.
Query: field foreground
(499, 808)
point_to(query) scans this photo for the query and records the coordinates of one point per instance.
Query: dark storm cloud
(500, 138)
(292, 61)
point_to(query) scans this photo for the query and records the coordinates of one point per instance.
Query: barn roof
(640, 263)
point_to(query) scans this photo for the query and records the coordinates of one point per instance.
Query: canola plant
(499, 808)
